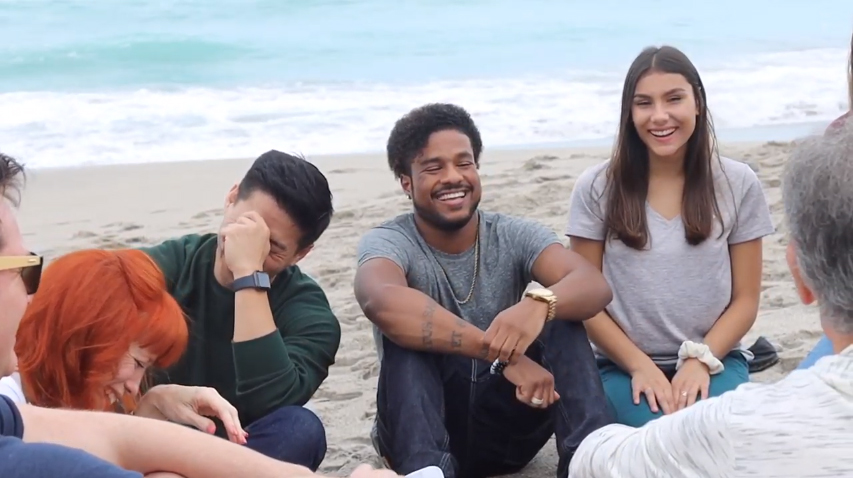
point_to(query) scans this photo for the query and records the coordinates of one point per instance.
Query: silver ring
(536, 401)
(683, 394)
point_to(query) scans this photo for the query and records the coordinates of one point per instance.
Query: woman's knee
(620, 398)
(627, 413)
(735, 374)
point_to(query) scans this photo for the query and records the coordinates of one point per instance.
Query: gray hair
(818, 194)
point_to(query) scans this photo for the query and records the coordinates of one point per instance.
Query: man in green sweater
(262, 332)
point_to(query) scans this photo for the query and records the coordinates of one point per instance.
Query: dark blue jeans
(292, 434)
(448, 411)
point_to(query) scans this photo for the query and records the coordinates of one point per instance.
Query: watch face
(262, 279)
(543, 293)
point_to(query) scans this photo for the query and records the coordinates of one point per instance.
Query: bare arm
(409, 317)
(580, 287)
(740, 315)
(602, 330)
(150, 446)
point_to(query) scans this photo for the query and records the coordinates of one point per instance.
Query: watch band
(547, 297)
(498, 367)
(257, 280)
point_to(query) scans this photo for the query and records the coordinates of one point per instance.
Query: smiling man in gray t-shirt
(476, 373)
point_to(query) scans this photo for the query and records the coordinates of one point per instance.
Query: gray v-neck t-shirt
(672, 291)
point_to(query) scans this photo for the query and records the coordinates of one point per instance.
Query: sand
(133, 205)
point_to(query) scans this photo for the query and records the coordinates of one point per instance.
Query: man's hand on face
(245, 244)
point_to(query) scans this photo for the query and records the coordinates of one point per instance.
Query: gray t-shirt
(672, 291)
(508, 248)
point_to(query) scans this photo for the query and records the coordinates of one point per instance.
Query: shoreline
(754, 134)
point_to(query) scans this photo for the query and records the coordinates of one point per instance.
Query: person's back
(796, 426)
(44, 460)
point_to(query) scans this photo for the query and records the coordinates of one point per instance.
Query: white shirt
(800, 426)
(11, 387)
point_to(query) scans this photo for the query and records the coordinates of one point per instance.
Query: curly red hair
(90, 307)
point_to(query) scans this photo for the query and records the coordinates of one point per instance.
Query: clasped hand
(514, 329)
(534, 386)
(191, 406)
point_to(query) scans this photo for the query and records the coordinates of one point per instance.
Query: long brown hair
(628, 172)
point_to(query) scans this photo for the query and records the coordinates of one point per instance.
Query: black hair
(628, 172)
(11, 178)
(411, 134)
(298, 187)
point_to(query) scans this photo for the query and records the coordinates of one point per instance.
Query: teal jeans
(620, 398)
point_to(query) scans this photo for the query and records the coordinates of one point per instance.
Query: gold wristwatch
(546, 296)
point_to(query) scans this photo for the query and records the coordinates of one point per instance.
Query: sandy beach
(134, 205)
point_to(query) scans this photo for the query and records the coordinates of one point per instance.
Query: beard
(436, 220)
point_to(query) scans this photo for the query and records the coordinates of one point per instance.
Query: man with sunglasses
(39, 443)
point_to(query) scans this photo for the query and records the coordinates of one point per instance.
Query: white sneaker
(428, 472)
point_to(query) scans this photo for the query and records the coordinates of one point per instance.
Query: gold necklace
(476, 271)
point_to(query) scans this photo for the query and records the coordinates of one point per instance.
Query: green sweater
(260, 375)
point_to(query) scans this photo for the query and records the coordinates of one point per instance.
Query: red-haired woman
(99, 320)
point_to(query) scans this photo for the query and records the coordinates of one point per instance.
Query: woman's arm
(602, 330)
(149, 446)
(188, 405)
(740, 315)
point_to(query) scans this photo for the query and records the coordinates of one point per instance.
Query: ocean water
(103, 81)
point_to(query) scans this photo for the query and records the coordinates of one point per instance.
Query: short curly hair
(411, 133)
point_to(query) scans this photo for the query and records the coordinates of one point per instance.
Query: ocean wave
(141, 58)
(50, 129)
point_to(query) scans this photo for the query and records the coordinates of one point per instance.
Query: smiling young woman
(677, 232)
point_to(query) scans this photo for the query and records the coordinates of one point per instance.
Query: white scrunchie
(700, 352)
